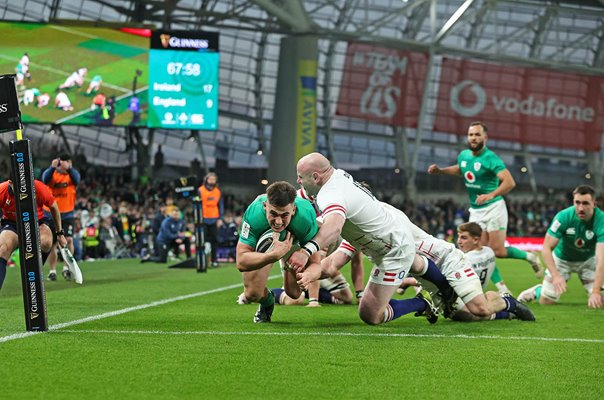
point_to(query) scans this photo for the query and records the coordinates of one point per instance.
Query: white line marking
(126, 310)
(87, 110)
(411, 335)
(73, 31)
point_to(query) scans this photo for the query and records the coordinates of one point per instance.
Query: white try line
(332, 334)
(125, 310)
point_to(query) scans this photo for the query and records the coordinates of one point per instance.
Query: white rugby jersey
(302, 193)
(482, 262)
(425, 244)
(369, 226)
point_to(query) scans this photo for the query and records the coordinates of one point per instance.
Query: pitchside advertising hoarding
(183, 80)
(518, 104)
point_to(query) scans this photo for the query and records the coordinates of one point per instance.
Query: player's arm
(595, 299)
(328, 233)
(331, 264)
(311, 273)
(248, 259)
(506, 184)
(56, 217)
(549, 244)
(452, 170)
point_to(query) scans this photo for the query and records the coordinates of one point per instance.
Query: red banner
(525, 105)
(382, 85)
(525, 243)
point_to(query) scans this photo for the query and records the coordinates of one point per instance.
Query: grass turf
(206, 346)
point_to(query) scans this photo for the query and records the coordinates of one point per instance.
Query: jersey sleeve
(558, 225)
(599, 226)
(331, 202)
(304, 226)
(248, 234)
(347, 248)
(44, 195)
(497, 164)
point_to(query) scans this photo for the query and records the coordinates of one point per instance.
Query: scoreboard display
(183, 80)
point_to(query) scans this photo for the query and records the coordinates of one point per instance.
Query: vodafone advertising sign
(382, 85)
(520, 104)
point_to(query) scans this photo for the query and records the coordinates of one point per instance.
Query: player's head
(584, 200)
(313, 170)
(477, 136)
(279, 205)
(468, 236)
(210, 180)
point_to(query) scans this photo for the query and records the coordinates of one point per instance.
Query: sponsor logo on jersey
(477, 166)
(463, 164)
(589, 234)
(571, 231)
(245, 230)
(579, 243)
(470, 177)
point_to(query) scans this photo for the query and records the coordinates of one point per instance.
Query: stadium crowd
(117, 218)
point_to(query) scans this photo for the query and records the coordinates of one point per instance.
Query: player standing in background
(9, 239)
(574, 242)
(351, 211)
(291, 219)
(212, 209)
(487, 179)
(62, 180)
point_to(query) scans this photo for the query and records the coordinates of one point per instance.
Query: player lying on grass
(9, 240)
(452, 263)
(574, 242)
(351, 211)
(482, 261)
(291, 219)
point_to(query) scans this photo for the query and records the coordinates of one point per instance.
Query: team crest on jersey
(477, 166)
(463, 164)
(579, 243)
(470, 177)
(589, 234)
(457, 275)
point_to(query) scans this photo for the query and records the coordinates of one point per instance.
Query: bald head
(313, 171)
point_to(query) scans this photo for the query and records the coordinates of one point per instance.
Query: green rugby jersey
(303, 224)
(480, 174)
(577, 238)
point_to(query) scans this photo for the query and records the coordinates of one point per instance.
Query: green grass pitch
(144, 331)
(57, 51)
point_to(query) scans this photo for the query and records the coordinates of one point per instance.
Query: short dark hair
(471, 227)
(585, 189)
(484, 126)
(64, 157)
(281, 194)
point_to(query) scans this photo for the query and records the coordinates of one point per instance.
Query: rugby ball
(265, 242)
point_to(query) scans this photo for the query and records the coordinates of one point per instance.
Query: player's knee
(253, 294)
(370, 317)
(479, 308)
(46, 243)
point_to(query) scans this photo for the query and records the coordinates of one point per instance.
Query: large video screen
(183, 80)
(82, 75)
(77, 75)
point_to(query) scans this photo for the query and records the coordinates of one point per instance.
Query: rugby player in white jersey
(482, 261)
(351, 211)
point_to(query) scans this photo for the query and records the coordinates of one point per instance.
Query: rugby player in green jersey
(487, 179)
(574, 242)
(292, 220)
